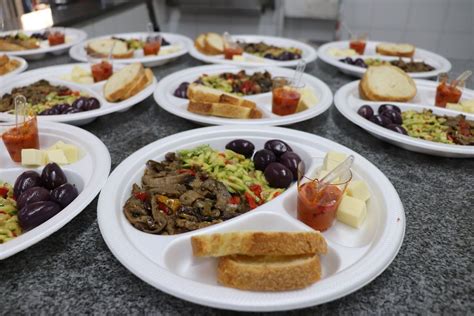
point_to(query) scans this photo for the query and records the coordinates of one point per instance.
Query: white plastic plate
(89, 174)
(348, 101)
(53, 75)
(309, 53)
(440, 63)
(178, 106)
(78, 51)
(73, 37)
(20, 69)
(355, 256)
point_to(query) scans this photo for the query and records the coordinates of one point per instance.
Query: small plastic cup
(358, 43)
(56, 36)
(152, 45)
(285, 96)
(21, 136)
(316, 204)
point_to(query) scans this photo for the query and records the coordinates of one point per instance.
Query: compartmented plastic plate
(89, 174)
(73, 36)
(440, 63)
(309, 53)
(164, 96)
(348, 101)
(53, 75)
(78, 51)
(356, 256)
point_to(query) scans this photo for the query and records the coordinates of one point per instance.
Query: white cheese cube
(358, 189)
(467, 102)
(308, 99)
(58, 145)
(455, 106)
(332, 159)
(238, 58)
(33, 157)
(71, 152)
(351, 211)
(57, 156)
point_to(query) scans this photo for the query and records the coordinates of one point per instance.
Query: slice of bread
(102, 47)
(119, 85)
(201, 93)
(258, 243)
(199, 43)
(214, 44)
(387, 83)
(219, 109)
(268, 273)
(392, 49)
(145, 80)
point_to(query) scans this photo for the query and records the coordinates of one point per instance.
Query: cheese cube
(33, 157)
(57, 156)
(467, 102)
(238, 58)
(358, 189)
(71, 152)
(455, 106)
(58, 145)
(308, 99)
(332, 159)
(351, 211)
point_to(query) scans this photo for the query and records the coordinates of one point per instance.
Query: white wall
(443, 26)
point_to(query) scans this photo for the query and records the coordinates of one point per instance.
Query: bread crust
(121, 93)
(219, 109)
(209, 48)
(367, 93)
(269, 273)
(259, 243)
(380, 49)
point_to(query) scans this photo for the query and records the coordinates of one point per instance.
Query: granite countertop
(73, 271)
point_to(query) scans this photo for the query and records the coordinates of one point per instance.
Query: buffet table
(73, 271)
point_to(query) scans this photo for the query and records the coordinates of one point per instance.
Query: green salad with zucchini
(9, 224)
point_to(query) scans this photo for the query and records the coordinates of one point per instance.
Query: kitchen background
(444, 26)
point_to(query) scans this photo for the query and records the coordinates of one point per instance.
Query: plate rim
(341, 105)
(160, 94)
(357, 71)
(96, 183)
(122, 248)
(291, 63)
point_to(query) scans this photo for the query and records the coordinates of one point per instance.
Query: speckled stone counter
(73, 271)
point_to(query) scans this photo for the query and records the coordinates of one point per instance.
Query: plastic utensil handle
(462, 77)
(334, 173)
(298, 73)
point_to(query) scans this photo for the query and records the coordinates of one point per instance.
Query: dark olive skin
(26, 180)
(278, 147)
(291, 160)
(278, 176)
(32, 195)
(263, 158)
(241, 146)
(64, 194)
(53, 176)
(35, 214)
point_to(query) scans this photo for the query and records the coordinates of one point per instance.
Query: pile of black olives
(277, 160)
(284, 56)
(40, 197)
(354, 62)
(81, 104)
(389, 116)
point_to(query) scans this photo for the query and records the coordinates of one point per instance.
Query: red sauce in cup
(229, 52)
(101, 71)
(285, 101)
(56, 38)
(358, 46)
(446, 93)
(317, 208)
(151, 48)
(24, 136)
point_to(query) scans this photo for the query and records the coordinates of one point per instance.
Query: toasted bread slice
(119, 85)
(387, 83)
(269, 273)
(8, 47)
(219, 109)
(102, 47)
(214, 44)
(391, 49)
(201, 93)
(199, 43)
(258, 243)
(255, 114)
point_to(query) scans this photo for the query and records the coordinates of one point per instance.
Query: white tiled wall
(443, 26)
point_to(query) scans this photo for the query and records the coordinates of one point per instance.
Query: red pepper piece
(250, 199)
(142, 196)
(3, 192)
